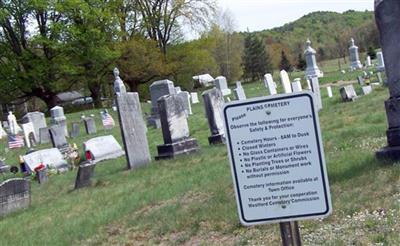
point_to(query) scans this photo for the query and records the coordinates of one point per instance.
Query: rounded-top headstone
(57, 112)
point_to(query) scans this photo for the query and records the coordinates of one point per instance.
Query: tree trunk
(95, 93)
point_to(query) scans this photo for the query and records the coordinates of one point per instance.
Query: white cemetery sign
(287, 87)
(277, 159)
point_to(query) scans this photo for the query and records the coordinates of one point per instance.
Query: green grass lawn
(190, 200)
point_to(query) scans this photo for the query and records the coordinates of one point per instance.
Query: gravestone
(44, 135)
(195, 97)
(84, 175)
(102, 148)
(360, 80)
(41, 176)
(368, 62)
(38, 120)
(15, 194)
(175, 129)
(379, 75)
(381, 62)
(309, 84)
(177, 89)
(270, 84)
(354, 56)
(58, 118)
(75, 129)
(317, 93)
(50, 158)
(119, 86)
(312, 69)
(158, 89)
(90, 125)
(58, 139)
(329, 90)
(296, 85)
(3, 167)
(2, 132)
(366, 89)
(239, 91)
(204, 80)
(133, 130)
(29, 134)
(287, 87)
(213, 104)
(185, 96)
(12, 124)
(348, 93)
(221, 84)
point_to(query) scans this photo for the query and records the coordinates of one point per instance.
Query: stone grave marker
(185, 96)
(90, 125)
(366, 89)
(119, 86)
(133, 130)
(368, 62)
(50, 158)
(12, 124)
(379, 76)
(15, 194)
(75, 129)
(44, 135)
(317, 93)
(221, 84)
(381, 62)
(204, 80)
(57, 136)
(270, 84)
(102, 148)
(239, 91)
(360, 80)
(354, 56)
(29, 134)
(348, 93)
(58, 118)
(2, 132)
(175, 129)
(213, 103)
(38, 120)
(287, 87)
(41, 176)
(158, 89)
(296, 85)
(195, 97)
(3, 167)
(312, 69)
(84, 175)
(329, 89)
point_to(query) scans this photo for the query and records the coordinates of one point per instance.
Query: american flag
(108, 121)
(15, 141)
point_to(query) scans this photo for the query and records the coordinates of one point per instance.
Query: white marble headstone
(195, 97)
(285, 82)
(329, 89)
(296, 85)
(270, 84)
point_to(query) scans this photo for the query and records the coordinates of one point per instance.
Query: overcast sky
(258, 15)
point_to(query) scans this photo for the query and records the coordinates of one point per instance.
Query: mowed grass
(190, 200)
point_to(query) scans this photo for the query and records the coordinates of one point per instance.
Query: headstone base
(186, 146)
(388, 153)
(84, 176)
(216, 139)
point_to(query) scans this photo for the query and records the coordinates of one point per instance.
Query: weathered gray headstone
(41, 176)
(133, 130)
(360, 80)
(44, 135)
(103, 148)
(58, 118)
(270, 84)
(312, 67)
(379, 75)
(185, 96)
(50, 158)
(348, 93)
(287, 87)
(84, 175)
(15, 194)
(239, 92)
(119, 86)
(75, 129)
(38, 120)
(90, 125)
(221, 84)
(175, 129)
(58, 138)
(366, 89)
(317, 93)
(213, 103)
(354, 56)
(381, 62)
(158, 89)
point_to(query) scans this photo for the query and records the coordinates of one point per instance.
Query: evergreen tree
(256, 61)
(301, 62)
(371, 52)
(285, 63)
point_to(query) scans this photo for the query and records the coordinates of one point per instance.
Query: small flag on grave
(108, 121)
(15, 141)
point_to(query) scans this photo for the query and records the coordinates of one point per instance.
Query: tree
(371, 52)
(285, 63)
(256, 61)
(301, 62)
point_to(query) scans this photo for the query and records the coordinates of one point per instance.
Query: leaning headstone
(38, 120)
(329, 90)
(296, 85)
(270, 84)
(102, 148)
(239, 91)
(360, 80)
(119, 86)
(348, 93)
(84, 175)
(287, 87)
(221, 84)
(312, 69)
(58, 118)
(75, 129)
(317, 93)
(354, 56)
(185, 96)
(90, 125)
(381, 62)
(29, 134)
(15, 194)
(158, 89)
(44, 135)
(175, 129)
(195, 97)
(133, 130)
(49, 158)
(366, 89)
(368, 62)
(213, 103)
(58, 139)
